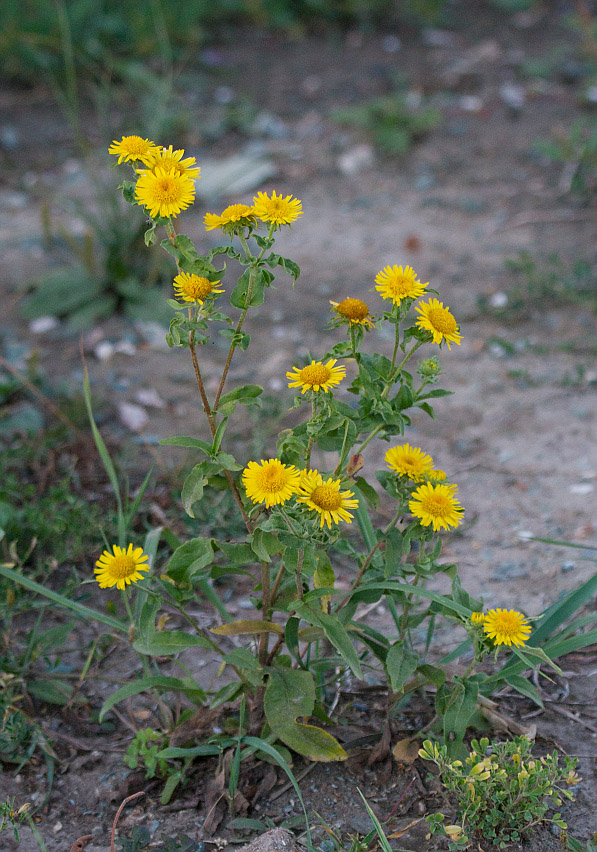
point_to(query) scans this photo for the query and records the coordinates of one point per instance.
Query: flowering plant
(297, 514)
(500, 791)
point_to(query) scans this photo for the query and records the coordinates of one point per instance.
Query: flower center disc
(353, 309)
(166, 190)
(122, 566)
(508, 624)
(198, 287)
(273, 479)
(442, 320)
(315, 374)
(437, 506)
(135, 145)
(327, 498)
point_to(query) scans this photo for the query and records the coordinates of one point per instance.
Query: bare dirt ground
(519, 433)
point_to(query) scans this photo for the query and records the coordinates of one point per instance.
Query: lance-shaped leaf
(335, 632)
(247, 627)
(159, 682)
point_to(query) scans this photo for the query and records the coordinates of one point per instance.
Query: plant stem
(394, 373)
(277, 582)
(298, 574)
(265, 606)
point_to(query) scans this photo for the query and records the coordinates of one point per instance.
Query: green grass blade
(383, 840)
(365, 525)
(144, 684)
(132, 510)
(82, 610)
(563, 543)
(105, 457)
(563, 610)
(262, 745)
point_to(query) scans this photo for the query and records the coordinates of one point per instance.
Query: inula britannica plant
(307, 517)
(309, 507)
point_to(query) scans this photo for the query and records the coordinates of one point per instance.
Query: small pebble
(42, 324)
(568, 566)
(391, 43)
(581, 488)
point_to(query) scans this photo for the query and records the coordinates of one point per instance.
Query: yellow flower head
(164, 193)
(316, 376)
(234, 216)
(278, 210)
(477, 617)
(409, 461)
(353, 311)
(131, 148)
(170, 160)
(507, 627)
(194, 288)
(439, 321)
(436, 476)
(397, 283)
(436, 505)
(270, 482)
(326, 498)
(121, 567)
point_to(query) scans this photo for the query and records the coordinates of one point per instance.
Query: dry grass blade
(119, 811)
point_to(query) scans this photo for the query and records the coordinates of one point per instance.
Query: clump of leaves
(576, 148)
(109, 269)
(396, 121)
(500, 791)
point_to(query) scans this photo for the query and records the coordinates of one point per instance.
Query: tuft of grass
(395, 122)
(545, 282)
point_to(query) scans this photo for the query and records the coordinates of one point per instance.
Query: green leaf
(192, 489)
(265, 544)
(194, 751)
(51, 691)
(291, 693)
(525, 687)
(563, 610)
(401, 663)
(164, 643)
(189, 558)
(184, 441)
(433, 674)
(244, 395)
(333, 629)
(368, 492)
(160, 682)
(394, 585)
(84, 612)
(238, 297)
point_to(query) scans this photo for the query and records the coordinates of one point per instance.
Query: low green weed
(12, 816)
(500, 791)
(395, 122)
(576, 149)
(546, 281)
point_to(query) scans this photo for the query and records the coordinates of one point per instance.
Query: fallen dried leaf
(406, 751)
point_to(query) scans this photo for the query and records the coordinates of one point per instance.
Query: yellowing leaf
(247, 627)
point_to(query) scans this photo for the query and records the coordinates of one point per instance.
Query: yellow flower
(477, 617)
(278, 210)
(121, 567)
(326, 498)
(397, 283)
(409, 461)
(507, 627)
(194, 288)
(436, 505)
(316, 376)
(572, 778)
(354, 311)
(164, 193)
(170, 160)
(439, 321)
(270, 482)
(436, 476)
(237, 215)
(131, 148)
